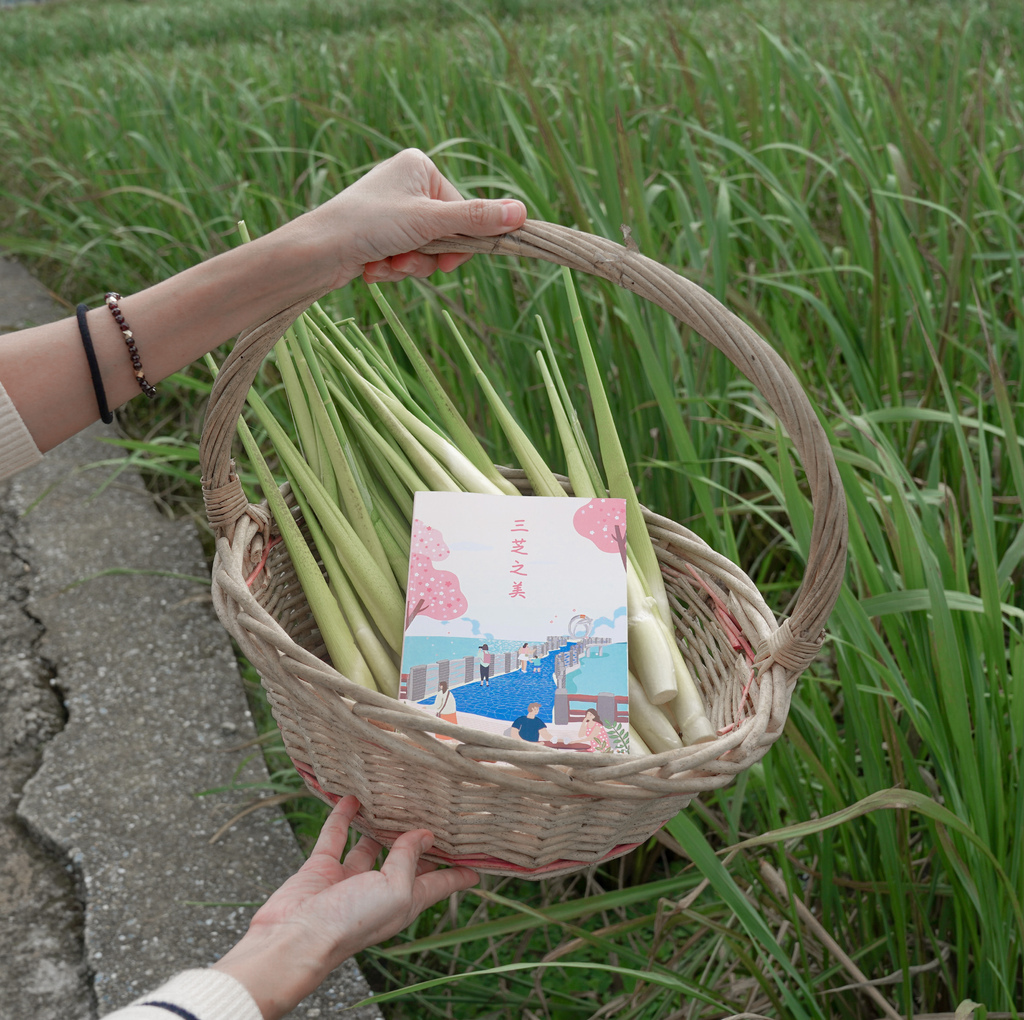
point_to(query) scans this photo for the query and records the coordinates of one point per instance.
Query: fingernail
(511, 212)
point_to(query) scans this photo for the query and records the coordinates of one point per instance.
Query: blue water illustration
(600, 674)
(509, 694)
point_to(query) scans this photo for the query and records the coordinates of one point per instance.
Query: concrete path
(120, 701)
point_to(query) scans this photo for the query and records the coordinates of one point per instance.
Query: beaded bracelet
(112, 299)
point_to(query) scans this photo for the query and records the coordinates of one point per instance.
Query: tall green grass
(848, 178)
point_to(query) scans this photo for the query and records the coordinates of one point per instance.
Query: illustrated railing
(568, 660)
(619, 711)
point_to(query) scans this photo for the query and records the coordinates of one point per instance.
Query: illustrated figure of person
(445, 707)
(529, 728)
(593, 732)
(524, 657)
(485, 666)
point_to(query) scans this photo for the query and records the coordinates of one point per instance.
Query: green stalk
(369, 493)
(376, 656)
(453, 460)
(576, 468)
(377, 589)
(392, 467)
(326, 474)
(382, 372)
(593, 471)
(462, 435)
(352, 498)
(697, 728)
(619, 482)
(437, 479)
(391, 525)
(333, 627)
(338, 347)
(541, 478)
(395, 539)
(425, 463)
(297, 401)
(386, 359)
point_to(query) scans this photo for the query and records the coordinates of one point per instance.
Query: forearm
(375, 228)
(44, 369)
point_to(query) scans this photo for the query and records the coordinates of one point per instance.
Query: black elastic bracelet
(94, 369)
(172, 1008)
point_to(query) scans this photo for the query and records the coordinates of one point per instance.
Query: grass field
(847, 177)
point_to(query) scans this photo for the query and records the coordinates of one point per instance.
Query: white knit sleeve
(193, 995)
(17, 447)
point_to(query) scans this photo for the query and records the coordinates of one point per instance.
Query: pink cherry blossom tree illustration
(603, 521)
(431, 592)
(429, 542)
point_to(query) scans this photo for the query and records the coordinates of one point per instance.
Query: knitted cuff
(17, 447)
(194, 995)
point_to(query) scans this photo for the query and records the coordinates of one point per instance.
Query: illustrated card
(516, 617)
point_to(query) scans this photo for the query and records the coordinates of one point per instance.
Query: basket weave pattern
(491, 801)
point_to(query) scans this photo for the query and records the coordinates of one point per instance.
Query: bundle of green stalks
(359, 446)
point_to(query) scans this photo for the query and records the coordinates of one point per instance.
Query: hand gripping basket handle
(796, 642)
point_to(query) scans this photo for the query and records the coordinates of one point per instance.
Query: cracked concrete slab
(42, 962)
(108, 882)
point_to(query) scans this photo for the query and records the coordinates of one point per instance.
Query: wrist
(275, 968)
(308, 250)
(291, 263)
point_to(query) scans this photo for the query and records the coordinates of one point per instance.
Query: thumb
(480, 216)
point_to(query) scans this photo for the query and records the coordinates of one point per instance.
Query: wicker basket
(492, 803)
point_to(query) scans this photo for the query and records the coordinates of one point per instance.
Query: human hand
(331, 909)
(400, 205)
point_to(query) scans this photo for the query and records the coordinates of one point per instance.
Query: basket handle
(797, 641)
